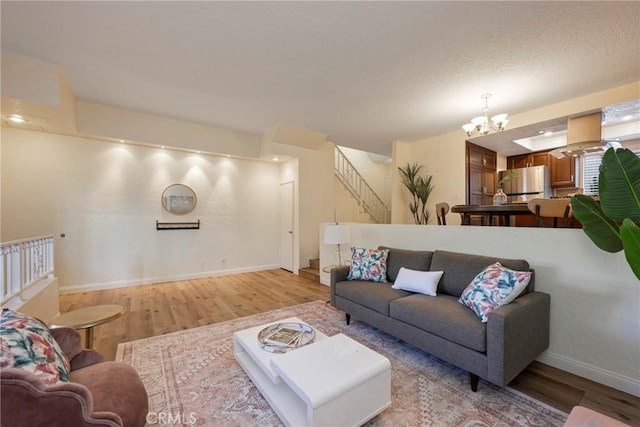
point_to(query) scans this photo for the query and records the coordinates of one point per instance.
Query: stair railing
(24, 263)
(359, 188)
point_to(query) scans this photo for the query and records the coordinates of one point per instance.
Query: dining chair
(442, 209)
(551, 208)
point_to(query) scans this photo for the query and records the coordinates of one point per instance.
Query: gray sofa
(497, 351)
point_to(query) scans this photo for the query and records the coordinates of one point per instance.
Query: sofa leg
(348, 318)
(474, 379)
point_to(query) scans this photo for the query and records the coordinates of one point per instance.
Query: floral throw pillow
(368, 264)
(26, 343)
(492, 287)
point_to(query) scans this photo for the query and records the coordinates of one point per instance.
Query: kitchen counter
(503, 213)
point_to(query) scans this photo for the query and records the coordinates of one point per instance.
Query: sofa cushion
(27, 343)
(424, 282)
(492, 287)
(375, 296)
(414, 260)
(443, 316)
(460, 269)
(368, 264)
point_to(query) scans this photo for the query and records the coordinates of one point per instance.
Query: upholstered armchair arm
(517, 333)
(28, 401)
(69, 340)
(338, 274)
(86, 358)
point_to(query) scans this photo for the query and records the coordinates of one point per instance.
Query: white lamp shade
(336, 234)
(469, 127)
(479, 121)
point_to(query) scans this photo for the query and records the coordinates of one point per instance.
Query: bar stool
(442, 209)
(551, 208)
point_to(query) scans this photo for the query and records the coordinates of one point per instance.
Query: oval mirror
(179, 199)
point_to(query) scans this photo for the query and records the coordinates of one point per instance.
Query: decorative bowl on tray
(284, 337)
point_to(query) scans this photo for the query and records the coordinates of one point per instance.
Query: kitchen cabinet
(563, 172)
(541, 158)
(481, 175)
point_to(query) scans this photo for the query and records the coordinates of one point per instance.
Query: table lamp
(337, 234)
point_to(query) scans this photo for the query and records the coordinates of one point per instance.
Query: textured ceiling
(366, 73)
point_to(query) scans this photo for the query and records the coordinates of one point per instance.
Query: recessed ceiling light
(626, 118)
(540, 132)
(162, 146)
(197, 151)
(16, 118)
(275, 158)
(122, 141)
(548, 133)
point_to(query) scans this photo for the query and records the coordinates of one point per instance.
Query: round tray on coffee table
(284, 337)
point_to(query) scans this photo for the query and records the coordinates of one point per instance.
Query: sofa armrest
(338, 274)
(69, 340)
(517, 333)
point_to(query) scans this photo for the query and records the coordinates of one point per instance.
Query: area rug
(192, 378)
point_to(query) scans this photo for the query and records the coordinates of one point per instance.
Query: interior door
(285, 232)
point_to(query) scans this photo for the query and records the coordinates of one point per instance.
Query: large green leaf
(602, 230)
(630, 234)
(619, 185)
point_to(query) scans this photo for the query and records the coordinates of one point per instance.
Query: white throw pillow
(424, 282)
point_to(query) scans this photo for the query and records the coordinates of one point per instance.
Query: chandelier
(481, 125)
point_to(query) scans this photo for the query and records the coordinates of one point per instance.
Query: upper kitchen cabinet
(481, 175)
(526, 160)
(563, 172)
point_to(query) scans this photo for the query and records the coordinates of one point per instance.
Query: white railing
(359, 188)
(24, 263)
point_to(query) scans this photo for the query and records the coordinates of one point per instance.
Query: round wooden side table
(88, 317)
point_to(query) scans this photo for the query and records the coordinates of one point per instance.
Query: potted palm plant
(420, 188)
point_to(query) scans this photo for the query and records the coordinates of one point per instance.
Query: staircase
(312, 272)
(360, 189)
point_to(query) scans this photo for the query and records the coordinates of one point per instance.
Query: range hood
(584, 136)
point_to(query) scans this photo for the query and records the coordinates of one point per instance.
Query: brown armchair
(99, 393)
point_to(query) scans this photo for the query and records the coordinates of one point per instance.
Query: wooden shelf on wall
(180, 225)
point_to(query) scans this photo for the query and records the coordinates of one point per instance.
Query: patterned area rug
(193, 379)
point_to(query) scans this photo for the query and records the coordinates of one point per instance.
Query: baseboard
(602, 376)
(154, 280)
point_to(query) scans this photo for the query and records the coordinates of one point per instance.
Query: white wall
(443, 157)
(314, 188)
(105, 197)
(595, 299)
(39, 300)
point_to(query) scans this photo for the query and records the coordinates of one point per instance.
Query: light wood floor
(159, 309)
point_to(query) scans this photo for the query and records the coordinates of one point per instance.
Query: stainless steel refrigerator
(530, 183)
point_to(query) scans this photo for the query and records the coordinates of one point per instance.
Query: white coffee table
(335, 381)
